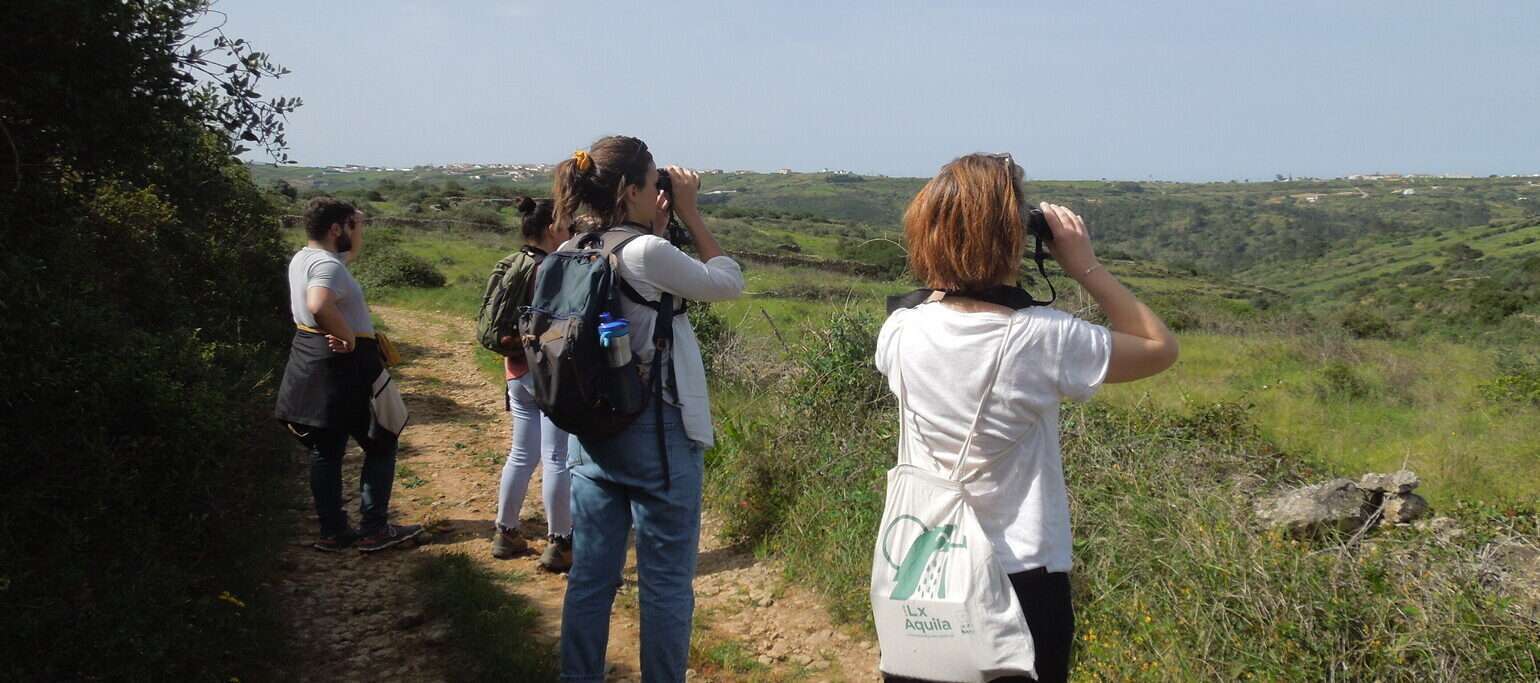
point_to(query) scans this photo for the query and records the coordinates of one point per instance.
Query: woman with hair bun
(535, 439)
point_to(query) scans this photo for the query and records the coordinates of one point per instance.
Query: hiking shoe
(508, 542)
(558, 554)
(390, 535)
(337, 542)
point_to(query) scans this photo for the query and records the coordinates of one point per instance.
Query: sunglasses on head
(1037, 223)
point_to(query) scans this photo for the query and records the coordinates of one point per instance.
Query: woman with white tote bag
(970, 569)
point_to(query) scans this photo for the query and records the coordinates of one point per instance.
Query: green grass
(720, 657)
(1173, 580)
(492, 629)
(408, 477)
(1421, 406)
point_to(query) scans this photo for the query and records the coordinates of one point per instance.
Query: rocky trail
(361, 618)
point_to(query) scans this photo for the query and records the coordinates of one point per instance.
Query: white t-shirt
(1013, 473)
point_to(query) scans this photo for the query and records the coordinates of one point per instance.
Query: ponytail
(596, 178)
(567, 194)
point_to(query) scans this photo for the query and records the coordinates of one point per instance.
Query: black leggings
(1045, 599)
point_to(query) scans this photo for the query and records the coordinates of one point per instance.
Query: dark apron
(321, 388)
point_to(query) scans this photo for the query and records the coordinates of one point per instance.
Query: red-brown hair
(964, 229)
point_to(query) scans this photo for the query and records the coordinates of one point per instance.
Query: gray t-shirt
(313, 267)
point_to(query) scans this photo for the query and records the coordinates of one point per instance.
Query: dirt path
(358, 618)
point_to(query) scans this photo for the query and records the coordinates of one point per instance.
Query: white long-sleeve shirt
(652, 266)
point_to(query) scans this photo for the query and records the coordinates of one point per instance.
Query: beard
(344, 243)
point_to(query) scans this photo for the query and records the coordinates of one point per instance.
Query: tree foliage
(143, 314)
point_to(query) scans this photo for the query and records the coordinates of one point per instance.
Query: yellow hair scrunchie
(584, 162)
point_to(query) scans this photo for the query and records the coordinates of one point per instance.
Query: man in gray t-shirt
(327, 385)
(315, 267)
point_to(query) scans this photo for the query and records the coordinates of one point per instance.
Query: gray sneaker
(337, 543)
(558, 554)
(389, 536)
(507, 543)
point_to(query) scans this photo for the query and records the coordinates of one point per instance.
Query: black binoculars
(1037, 225)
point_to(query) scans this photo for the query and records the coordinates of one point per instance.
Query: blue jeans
(614, 481)
(534, 439)
(326, 446)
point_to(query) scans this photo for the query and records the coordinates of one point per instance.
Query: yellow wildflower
(227, 597)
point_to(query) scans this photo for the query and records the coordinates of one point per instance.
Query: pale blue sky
(1169, 90)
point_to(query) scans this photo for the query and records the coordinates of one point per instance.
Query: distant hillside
(1388, 242)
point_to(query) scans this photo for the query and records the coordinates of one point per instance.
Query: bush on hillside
(1518, 381)
(390, 266)
(481, 214)
(1461, 251)
(385, 263)
(1338, 380)
(1363, 323)
(1491, 302)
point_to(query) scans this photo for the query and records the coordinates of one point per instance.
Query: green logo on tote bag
(925, 553)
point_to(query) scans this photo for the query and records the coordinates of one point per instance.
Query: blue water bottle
(615, 337)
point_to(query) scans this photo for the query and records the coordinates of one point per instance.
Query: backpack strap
(625, 287)
(662, 332)
(662, 345)
(657, 306)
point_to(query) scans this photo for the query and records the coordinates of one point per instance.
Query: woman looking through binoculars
(617, 481)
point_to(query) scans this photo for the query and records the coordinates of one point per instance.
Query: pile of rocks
(1344, 505)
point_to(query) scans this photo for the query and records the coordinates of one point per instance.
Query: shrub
(1461, 251)
(1491, 302)
(388, 265)
(482, 215)
(1518, 381)
(1338, 380)
(888, 258)
(838, 371)
(1364, 323)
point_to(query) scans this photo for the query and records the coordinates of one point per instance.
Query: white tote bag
(944, 608)
(386, 407)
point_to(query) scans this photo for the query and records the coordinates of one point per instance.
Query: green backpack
(508, 290)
